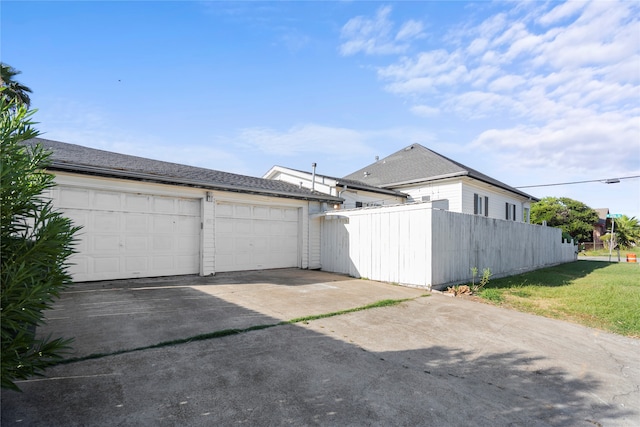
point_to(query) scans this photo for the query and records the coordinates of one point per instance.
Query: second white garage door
(255, 237)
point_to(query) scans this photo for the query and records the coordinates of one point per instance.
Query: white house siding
(420, 246)
(315, 219)
(497, 200)
(367, 198)
(442, 190)
(131, 229)
(323, 185)
(207, 263)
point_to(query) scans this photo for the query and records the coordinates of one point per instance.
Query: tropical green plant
(573, 217)
(608, 242)
(13, 90)
(627, 231)
(35, 243)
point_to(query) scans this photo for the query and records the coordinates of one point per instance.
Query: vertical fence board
(420, 246)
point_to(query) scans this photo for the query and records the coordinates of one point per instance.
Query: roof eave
(140, 176)
(429, 179)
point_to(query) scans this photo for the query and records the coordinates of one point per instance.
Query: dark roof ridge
(87, 160)
(400, 168)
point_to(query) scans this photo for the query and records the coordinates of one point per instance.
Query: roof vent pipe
(313, 176)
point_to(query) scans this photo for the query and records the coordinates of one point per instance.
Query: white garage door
(128, 235)
(254, 237)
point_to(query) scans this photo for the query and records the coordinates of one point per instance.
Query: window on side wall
(510, 211)
(480, 205)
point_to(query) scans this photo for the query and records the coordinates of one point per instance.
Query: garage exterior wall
(207, 211)
(106, 208)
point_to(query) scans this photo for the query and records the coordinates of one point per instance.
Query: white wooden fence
(422, 246)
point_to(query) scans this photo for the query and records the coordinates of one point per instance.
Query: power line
(604, 181)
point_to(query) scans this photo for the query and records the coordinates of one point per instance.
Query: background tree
(627, 232)
(35, 243)
(574, 218)
(13, 90)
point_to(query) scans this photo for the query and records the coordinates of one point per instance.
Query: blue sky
(527, 92)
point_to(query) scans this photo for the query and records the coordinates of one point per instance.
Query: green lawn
(593, 293)
(605, 252)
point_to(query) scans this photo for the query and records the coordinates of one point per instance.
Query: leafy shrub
(35, 243)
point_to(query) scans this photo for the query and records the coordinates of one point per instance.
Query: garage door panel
(189, 207)
(163, 223)
(134, 223)
(261, 244)
(186, 263)
(131, 235)
(106, 266)
(243, 211)
(188, 226)
(262, 237)
(224, 210)
(162, 243)
(138, 243)
(163, 204)
(74, 198)
(136, 265)
(260, 212)
(291, 215)
(106, 243)
(136, 203)
(107, 222)
(184, 244)
(262, 227)
(106, 200)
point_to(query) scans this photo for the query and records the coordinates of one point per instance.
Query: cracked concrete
(432, 360)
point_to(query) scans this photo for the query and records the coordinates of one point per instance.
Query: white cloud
(556, 86)
(563, 11)
(581, 142)
(425, 111)
(506, 83)
(410, 30)
(306, 138)
(376, 36)
(76, 122)
(339, 142)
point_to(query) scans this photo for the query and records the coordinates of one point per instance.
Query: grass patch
(592, 293)
(381, 303)
(229, 332)
(605, 252)
(491, 294)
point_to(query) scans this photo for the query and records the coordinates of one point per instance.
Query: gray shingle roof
(85, 160)
(416, 163)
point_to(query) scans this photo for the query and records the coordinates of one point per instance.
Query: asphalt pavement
(432, 360)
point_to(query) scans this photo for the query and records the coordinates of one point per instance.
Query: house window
(358, 204)
(525, 215)
(510, 211)
(480, 205)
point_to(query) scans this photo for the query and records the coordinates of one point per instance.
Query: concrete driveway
(430, 361)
